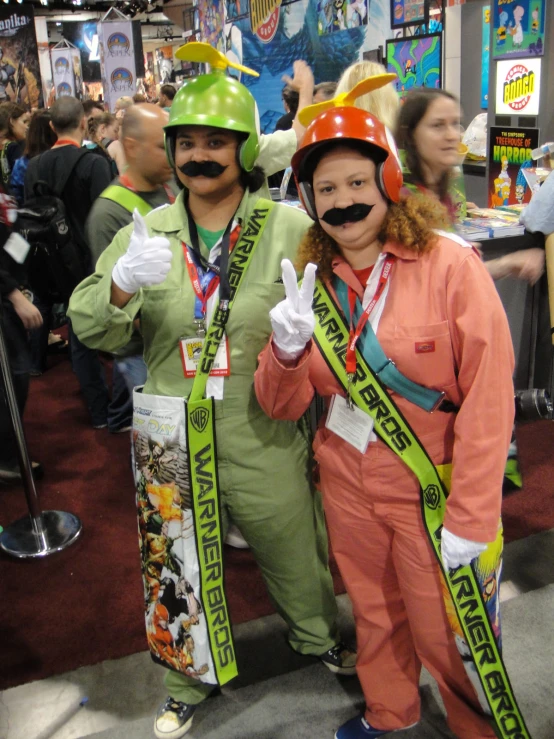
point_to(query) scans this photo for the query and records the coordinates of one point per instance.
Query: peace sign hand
(292, 319)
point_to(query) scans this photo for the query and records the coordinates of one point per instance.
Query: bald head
(142, 120)
(142, 137)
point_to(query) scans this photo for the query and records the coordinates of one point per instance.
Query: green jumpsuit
(264, 465)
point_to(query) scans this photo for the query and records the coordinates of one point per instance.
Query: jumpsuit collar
(344, 271)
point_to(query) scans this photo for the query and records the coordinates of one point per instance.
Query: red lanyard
(202, 289)
(65, 142)
(206, 281)
(126, 182)
(355, 334)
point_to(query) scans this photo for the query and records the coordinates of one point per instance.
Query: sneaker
(13, 474)
(235, 539)
(340, 659)
(173, 719)
(358, 728)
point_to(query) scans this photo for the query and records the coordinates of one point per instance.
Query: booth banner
(485, 56)
(62, 67)
(20, 80)
(77, 73)
(509, 153)
(117, 60)
(518, 29)
(518, 87)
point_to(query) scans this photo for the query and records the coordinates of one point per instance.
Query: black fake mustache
(202, 169)
(340, 216)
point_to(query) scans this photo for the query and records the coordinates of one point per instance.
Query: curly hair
(409, 223)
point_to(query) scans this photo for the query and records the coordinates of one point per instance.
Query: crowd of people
(159, 200)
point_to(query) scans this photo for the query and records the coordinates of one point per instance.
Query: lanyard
(204, 284)
(355, 334)
(221, 264)
(125, 180)
(66, 142)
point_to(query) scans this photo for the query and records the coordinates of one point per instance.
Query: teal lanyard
(384, 367)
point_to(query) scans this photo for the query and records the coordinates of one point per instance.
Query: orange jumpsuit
(446, 303)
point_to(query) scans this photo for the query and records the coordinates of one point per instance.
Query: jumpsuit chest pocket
(166, 314)
(256, 301)
(424, 354)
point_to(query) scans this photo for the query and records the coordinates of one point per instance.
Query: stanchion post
(39, 533)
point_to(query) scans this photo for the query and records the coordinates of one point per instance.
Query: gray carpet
(307, 701)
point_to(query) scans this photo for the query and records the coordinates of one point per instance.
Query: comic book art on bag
(176, 625)
(487, 568)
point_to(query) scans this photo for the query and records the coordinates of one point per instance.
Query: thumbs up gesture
(146, 262)
(292, 319)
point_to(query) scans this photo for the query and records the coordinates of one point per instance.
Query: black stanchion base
(59, 530)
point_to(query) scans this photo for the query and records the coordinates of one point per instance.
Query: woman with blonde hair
(382, 103)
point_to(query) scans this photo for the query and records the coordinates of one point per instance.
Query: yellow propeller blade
(200, 52)
(370, 84)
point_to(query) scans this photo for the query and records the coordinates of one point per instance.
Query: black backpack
(56, 263)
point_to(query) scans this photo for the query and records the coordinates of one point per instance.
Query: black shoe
(340, 659)
(13, 473)
(173, 719)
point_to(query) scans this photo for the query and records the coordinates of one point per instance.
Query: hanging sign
(117, 59)
(62, 68)
(518, 87)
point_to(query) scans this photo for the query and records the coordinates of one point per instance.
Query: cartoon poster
(407, 12)
(164, 63)
(20, 80)
(510, 152)
(417, 61)
(339, 15)
(269, 35)
(117, 60)
(518, 28)
(485, 56)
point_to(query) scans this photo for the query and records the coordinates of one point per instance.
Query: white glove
(292, 319)
(457, 551)
(146, 262)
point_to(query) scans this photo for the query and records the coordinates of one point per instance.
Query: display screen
(417, 61)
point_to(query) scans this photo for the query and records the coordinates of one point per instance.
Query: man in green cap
(215, 252)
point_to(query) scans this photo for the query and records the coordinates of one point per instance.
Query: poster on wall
(164, 63)
(485, 56)
(20, 80)
(518, 87)
(416, 61)
(270, 48)
(518, 28)
(117, 59)
(339, 15)
(509, 153)
(406, 12)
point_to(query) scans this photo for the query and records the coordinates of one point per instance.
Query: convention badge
(17, 247)
(349, 422)
(191, 351)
